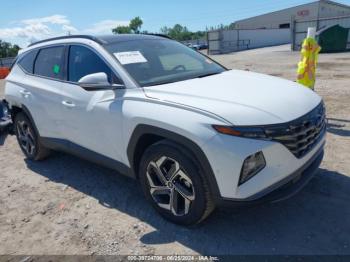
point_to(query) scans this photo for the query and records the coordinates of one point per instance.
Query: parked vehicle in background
(194, 134)
(193, 46)
(203, 46)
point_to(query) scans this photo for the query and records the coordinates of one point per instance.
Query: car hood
(241, 97)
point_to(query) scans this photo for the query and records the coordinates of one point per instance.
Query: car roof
(111, 39)
(107, 39)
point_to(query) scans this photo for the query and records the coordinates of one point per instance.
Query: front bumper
(226, 155)
(283, 189)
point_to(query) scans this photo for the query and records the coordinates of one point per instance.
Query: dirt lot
(68, 206)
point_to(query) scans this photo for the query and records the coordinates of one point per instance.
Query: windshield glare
(155, 62)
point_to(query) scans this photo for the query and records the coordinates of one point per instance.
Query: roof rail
(93, 38)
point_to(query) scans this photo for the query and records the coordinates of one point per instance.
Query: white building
(281, 27)
(283, 18)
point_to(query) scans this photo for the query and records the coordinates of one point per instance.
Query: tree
(222, 27)
(181, 33)
(121, 30)
(134, 27)
(8, 50)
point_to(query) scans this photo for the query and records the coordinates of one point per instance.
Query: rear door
(45, 71)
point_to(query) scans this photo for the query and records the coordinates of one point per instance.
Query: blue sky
(24, 21)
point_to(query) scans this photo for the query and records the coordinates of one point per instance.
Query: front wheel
(172, 182)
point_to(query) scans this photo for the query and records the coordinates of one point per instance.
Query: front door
(92, 118)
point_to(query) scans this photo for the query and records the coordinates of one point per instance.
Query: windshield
(156, 62)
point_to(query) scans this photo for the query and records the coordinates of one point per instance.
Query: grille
(302, 134)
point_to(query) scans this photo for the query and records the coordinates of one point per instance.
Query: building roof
(302, 5)
(334, 3)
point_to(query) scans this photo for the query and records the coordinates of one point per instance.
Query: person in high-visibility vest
(308, 63)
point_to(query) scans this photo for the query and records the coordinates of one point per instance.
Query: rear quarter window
(27, 61)
(50, 62)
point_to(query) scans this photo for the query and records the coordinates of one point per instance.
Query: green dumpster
(333, 39)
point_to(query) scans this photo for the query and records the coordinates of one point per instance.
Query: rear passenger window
(27, 61)
(50, 62)
(83, 61)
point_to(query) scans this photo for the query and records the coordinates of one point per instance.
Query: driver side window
(83, 61)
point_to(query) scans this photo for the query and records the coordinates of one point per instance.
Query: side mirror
(97, 82)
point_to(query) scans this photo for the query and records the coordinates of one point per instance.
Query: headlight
(252, 165)
(248, 132)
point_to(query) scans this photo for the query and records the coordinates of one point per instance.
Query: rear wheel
(28, 139)
(172, 183)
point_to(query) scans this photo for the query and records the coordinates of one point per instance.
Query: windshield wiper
(160, 83)
(208, 74)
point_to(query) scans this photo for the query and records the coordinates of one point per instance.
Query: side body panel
(42, 98)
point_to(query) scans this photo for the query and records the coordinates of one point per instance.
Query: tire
(181, 196)
(28, 138)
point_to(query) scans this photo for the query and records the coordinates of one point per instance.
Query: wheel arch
(23, 109)
(144, 136)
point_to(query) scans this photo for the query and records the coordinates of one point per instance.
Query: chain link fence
(226, 41)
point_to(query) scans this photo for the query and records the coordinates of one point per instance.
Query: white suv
(195, 134)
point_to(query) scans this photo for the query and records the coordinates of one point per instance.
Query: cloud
(104, 26)
(54, 19)
(30, 30)
(69, 29)
(27, 31)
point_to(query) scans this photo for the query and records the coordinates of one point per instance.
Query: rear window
(27, 61)
(50, 62)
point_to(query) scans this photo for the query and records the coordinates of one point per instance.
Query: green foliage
(181, 33)
(121, 30)
(177, 32)
(222, 27)
(134, 27)
(8, 50)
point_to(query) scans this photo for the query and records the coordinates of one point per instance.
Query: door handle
(24, 93)
(68, 104)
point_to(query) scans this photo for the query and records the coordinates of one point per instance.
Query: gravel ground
(65, 205)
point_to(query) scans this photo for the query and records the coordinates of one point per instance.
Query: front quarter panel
(182, 121)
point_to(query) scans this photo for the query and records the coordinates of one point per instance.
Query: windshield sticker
(131, 57)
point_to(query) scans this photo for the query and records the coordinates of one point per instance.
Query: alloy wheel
(170, 186)
(26, 137)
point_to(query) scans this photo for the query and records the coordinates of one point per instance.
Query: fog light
(252, 165)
